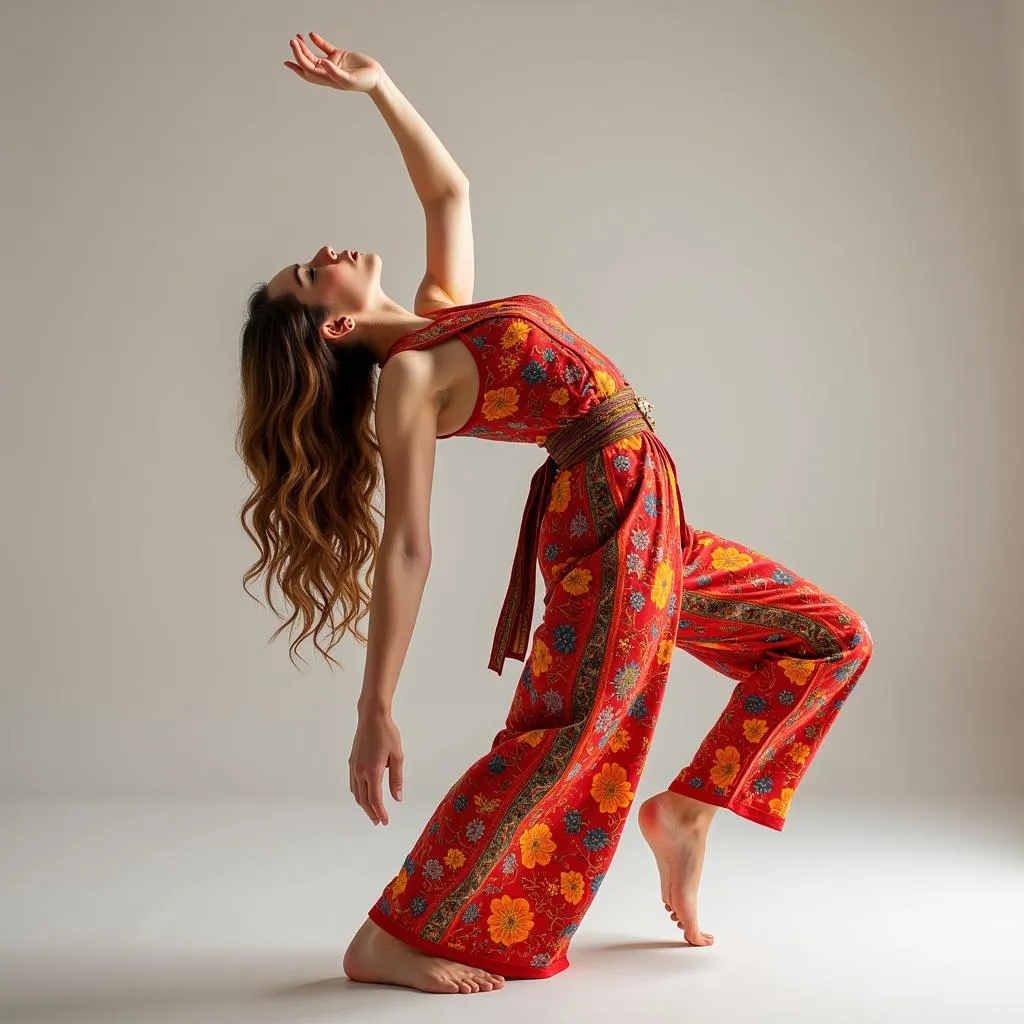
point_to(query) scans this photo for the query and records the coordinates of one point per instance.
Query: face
(346, 281)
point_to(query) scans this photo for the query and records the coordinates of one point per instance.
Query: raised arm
(442, 187)
(443, 190)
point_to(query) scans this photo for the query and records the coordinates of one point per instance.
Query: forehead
(283, 281)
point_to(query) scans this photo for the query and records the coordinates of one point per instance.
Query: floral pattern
(511, 859)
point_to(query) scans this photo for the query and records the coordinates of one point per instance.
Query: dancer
(507, 865)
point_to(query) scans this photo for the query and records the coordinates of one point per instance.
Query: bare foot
(676, 829)
(375, 956)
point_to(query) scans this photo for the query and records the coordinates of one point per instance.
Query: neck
(382, 327)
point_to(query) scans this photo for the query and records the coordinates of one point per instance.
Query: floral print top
(536, 372)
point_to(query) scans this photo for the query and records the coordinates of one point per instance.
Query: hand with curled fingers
(347, 70)
(377, 745)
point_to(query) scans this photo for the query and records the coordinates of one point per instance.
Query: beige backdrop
(799, 227)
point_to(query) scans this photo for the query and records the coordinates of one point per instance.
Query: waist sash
(619, 416)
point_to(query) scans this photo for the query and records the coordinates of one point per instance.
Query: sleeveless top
(536, 372)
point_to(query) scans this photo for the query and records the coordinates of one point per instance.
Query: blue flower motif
(552, 701)
(671, 605)
(578, 526)
(811, 732)
(626, 679)
(496, 764)
(471, 914)
(719, 791)
(509, 866)
(774, 638)
(621, 463)
(637, 600)
(410, 866)
(534, 372)
(650, 504)
(573, 822)
(571, 374)
(704, 581)
(541, 960)
(634, 563)
(433, 870)
(549, 355)
(551, 552)
(640, 540)
(781, 576)
(754, 705)
(570, 929)
(385, 905)
(596, 839)
(417, 905)
(696, 782)
(845, 671)
(564, 639)
(479, 340)
(459, 803)
(573, 772)
(434, 827)
(475, 830)
(638, 709)
(595, 882)
(655, 631)
(762, 784)
(856, 639)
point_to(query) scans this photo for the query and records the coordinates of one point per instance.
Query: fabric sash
(619, 416)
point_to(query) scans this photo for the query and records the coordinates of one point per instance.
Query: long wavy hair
(307, 440)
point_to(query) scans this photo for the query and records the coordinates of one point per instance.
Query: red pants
(511, 859)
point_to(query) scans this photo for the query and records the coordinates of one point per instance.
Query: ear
(334, 329)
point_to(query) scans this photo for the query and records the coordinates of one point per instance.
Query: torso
(509, 369)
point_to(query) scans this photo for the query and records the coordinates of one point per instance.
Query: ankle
(689, 811)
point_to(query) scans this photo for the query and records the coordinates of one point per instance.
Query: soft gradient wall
(797, 226)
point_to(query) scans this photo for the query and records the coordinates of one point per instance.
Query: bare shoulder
(407, 389)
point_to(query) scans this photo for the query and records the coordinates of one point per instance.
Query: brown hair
(306, 437)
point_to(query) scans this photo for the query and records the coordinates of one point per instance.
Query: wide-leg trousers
(511, 859)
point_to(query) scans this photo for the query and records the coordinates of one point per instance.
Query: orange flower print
(541, 661)
(797, 671)
(508, 362)
(536, 845)
(799, 752)
(572, 886)
(500, 403)
(399, 884)
(578, 581)
(605, 383)
(728, 767)
(510, 920)
(730, 559)
(661, 591)
(540, 439)
(485, 804)
(611, 788)
(754, 729)
(780, 806)
(560, 493)
(515, 334)
(454, 858)
(560, 397)
(533, 737)
(672, 493)
(665, 650)
(619, 740)
(632, 443)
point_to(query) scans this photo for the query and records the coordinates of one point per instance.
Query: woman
(504, 870)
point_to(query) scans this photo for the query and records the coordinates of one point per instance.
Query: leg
(512, 858)
(796, 652)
